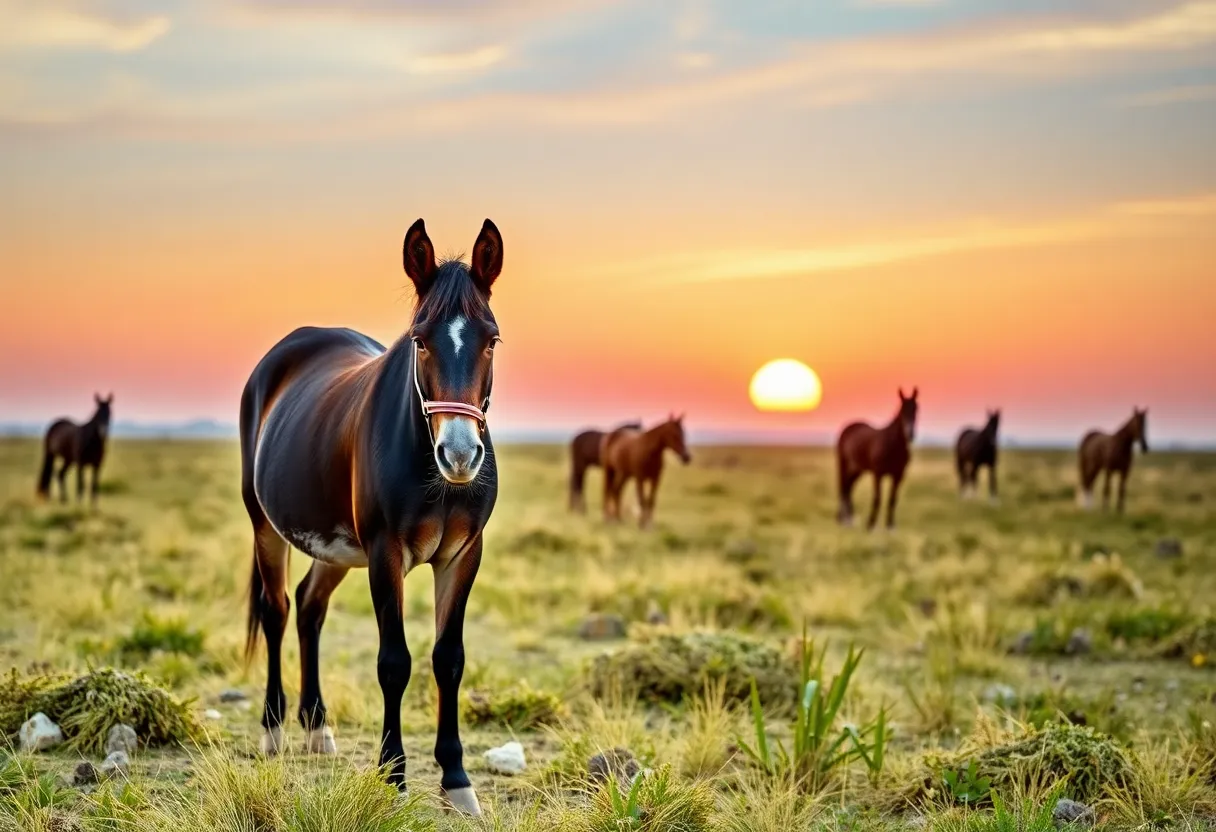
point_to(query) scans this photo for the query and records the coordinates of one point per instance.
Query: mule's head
(994, 422)
(454, 334)
(672, 433)
(102, 416)
(907, 413)
(1140, 427)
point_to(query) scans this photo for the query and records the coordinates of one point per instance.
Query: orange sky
(1003, 208)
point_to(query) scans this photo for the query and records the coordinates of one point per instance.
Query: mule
(883, 452)
(632, 453)
(584, 454)
(365, 457)
(81, 445)
(1110, 454)
(974, 449)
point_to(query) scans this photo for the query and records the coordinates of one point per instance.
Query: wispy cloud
(46, 24)
(474, 59)
(1173, 95)
(750, 263)
(427, 11)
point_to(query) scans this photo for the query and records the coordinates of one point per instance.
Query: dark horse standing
(360, 456)
(1111, 453)
(973, 450)
(585, 453)
(81, 445)
(881, 451)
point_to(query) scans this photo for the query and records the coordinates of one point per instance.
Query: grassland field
(979, 623)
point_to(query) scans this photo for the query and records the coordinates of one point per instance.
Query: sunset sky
(1002, 202)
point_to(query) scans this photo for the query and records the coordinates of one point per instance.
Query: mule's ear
(110, 398)
(680, 418)
(486, 262)
(902, 397)
(418, 257)
(915, 390)
(97, 398)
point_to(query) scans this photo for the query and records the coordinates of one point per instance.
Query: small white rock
(118, 763)
(39, 733)
(507, 759)
(122, 738)
(212, 713)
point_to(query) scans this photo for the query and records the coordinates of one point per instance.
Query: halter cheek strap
(430, 408)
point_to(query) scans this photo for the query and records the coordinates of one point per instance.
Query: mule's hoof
(321, 741)
(463, 801)
(272, 741)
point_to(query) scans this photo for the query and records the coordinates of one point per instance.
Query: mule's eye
(494, 342)
(419, 344)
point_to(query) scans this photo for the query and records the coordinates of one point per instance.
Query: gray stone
(39, 733)
(122, 738)
(655, 614)
(1080, 642)
(85, 774)
(1070, 812)
(601, 627)
(1168, 548)
(1002, 695)
(1021, 644)
(213, 714)
(116, 764)
(232, 695)
(1171, 685)
(617, 762)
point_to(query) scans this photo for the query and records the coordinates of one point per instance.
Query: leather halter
(429, 408)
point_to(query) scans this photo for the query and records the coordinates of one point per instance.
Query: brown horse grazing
(584, 454)
(1111, 453)
(366, 457)
(881, 451)
(974, 449)
(631, 453)
(81, 445)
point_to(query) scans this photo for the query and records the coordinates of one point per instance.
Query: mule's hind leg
(269, 603)
(62, 476)
(312, 602)
(847, 480)
(453, 582)
(1106, 491)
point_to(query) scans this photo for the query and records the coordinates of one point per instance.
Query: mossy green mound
(86, 707)
(519, 707)
(667, 667)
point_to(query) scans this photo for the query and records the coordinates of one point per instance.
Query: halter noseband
(430, 408)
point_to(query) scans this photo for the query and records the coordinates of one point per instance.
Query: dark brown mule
(81, 445)
(632, 453)
(585, 453)
(362, 457)
(975, 449)
(1110, 453)
(883, 452)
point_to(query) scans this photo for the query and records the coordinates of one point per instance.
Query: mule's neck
(896, 427)
(1126, 435)
(653, 439)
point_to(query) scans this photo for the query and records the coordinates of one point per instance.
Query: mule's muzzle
(459, 451)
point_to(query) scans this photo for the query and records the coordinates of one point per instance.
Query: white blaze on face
(455, 328)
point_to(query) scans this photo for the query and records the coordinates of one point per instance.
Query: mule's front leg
(453, 581)
(385, 571)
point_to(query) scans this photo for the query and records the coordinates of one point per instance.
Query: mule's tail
(48, 467)
(253, 620)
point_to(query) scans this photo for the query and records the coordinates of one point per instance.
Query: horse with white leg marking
(1111, 453)
(366, 457)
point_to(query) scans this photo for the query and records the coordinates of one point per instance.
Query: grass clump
(88, 706)
(654, 802)
(669, 667)
(519, 707)
(154, 635)
(1091, 762)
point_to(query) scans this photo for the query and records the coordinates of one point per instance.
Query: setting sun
(785, 384)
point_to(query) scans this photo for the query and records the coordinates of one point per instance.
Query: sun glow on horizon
(785, 385)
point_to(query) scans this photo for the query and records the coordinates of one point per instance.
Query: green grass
(962, 599)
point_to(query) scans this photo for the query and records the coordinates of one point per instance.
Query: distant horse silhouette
(883, 452)
(362, 457)
(974, 449)
(631, 453)
(1110, 453)
(81, 445)
(584, 454)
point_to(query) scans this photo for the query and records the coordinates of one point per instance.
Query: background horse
(81, 445)
(360, 456)
(585, 453)
(1111, 453)
(630, 453)
(974, 449)
(881, 451)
